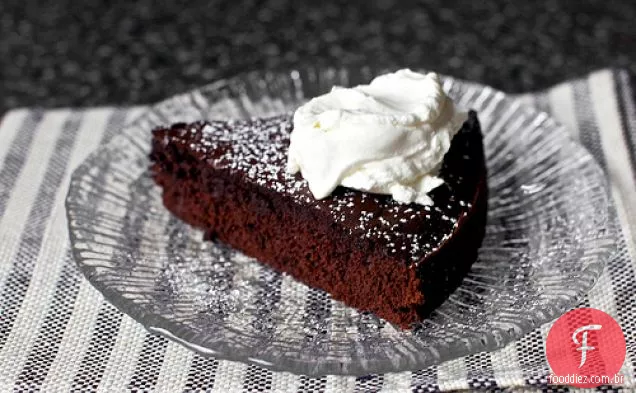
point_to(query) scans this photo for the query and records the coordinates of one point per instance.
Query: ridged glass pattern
(550, 232)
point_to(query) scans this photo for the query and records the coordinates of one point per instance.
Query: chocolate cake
(398, 261)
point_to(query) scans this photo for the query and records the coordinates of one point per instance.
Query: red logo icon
(585, 348)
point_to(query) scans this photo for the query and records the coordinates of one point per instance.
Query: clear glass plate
(550, 232)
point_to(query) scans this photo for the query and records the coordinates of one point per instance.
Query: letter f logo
(571, 339)
(583, 343)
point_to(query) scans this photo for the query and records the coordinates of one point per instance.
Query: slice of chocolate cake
(367, 250)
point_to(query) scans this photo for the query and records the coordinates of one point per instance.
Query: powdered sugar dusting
(258, 148)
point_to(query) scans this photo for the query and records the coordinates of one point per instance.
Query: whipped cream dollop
(387, 137)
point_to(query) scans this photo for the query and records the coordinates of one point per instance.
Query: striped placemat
(58, 334)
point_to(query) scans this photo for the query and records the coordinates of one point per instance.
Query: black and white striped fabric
(58, 334)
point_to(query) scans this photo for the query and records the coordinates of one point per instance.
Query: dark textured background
(62, 53)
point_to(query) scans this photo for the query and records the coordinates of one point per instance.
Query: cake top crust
(257, 150)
